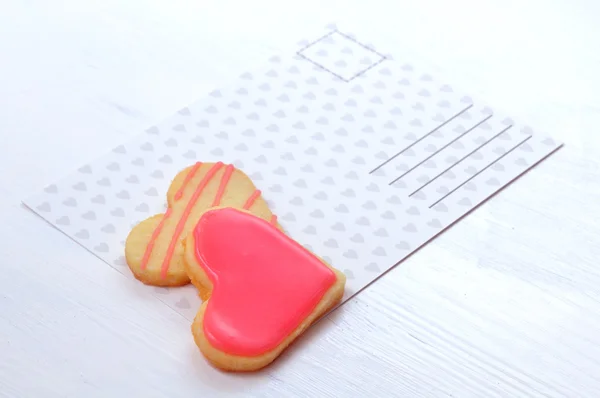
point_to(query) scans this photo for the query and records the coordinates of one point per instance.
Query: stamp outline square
(380, 57)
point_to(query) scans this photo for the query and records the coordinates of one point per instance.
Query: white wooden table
(506, 303)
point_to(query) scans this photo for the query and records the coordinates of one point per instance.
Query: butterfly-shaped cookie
(154, 248)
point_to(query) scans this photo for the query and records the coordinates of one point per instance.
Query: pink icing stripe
(224, 181)
(155, 234)
(186, 213)
(159, 227)
(251, 200)
(187, 179)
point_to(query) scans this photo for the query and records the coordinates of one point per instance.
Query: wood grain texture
(505, 304)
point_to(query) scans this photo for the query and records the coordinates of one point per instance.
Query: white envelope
(363, 158)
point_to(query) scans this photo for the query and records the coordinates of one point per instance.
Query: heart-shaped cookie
(154, 247)
(262, 289)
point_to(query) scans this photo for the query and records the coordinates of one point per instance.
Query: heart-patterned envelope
(363, 157)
